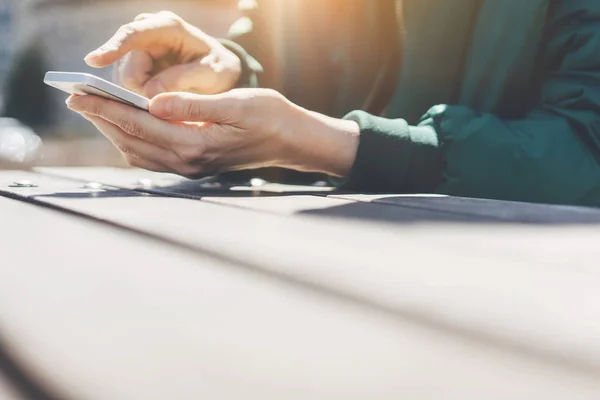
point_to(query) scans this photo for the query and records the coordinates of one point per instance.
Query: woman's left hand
(195, 135)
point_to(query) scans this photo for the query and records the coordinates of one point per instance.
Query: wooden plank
(501, 210)
(114, 315)
(118, 177)
(7, 391)
(338, 208)
(523, 289)
(272, 198)
(161, 183)
(439, 207)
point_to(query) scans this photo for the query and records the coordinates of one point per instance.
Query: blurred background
(41, 35)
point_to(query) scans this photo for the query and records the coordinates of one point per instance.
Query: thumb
(194, 107)
(192, 77)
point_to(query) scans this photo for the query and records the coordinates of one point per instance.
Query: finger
(137, 152)
(136, 70)
(137, 35)
(134, 122)
(224, 108)
(144, 16)
(192, 77)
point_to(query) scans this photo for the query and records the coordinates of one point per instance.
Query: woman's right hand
(163, 53)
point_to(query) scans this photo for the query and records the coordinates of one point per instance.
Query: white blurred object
(18, 143)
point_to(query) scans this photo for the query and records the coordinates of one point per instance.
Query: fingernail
(72, 104)
(92, 55)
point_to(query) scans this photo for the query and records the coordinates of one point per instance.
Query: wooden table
(125, 284)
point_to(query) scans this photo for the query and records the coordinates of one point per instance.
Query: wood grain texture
(7, 391)
(409, 207)
(269, 198)
(116, 315)
(524, 289)
(500, 210)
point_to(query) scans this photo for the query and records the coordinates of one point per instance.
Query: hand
(246, 129)
(163, 53)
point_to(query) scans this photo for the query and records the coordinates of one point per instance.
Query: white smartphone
(82, 83)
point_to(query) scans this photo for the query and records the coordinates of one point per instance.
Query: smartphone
(82, 83)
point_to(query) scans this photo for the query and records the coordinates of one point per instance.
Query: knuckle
(248, 102)
(132, 128)
(191, 108)
(273, 100)
(271, 97)
(185, 107)
(128, 152)
(270, 93)
(127, 30)
(171, 17)
(168, 14)
(91, 105)
(143, 16)
(123, 35)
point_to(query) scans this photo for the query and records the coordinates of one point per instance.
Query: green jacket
(523, 123)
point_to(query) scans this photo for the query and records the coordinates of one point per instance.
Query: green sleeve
(552, 155)
(244, 41)
(251, 68)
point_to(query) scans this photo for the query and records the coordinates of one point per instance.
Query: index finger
(130, 120)
(138, 35)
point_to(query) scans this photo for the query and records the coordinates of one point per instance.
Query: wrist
(314, 142)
